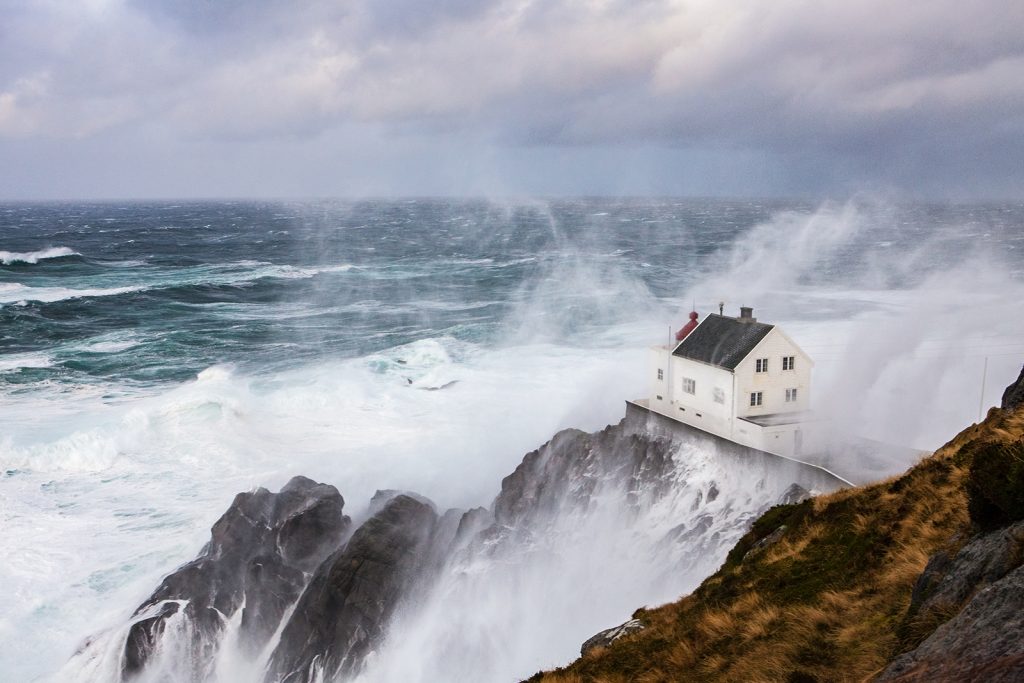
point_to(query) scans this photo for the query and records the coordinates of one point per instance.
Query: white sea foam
(13, 292)
(32, 257)
(231, 274)
(17, 361)
(112, 346)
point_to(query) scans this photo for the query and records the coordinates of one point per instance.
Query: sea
(158, 357)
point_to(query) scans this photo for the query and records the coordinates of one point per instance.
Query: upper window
(755, 398)
(689, 386)
(661, 374)
(788, 362)
(761, 365)
(719, 395)
(790, 395)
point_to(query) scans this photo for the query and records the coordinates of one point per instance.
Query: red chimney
(687, 328)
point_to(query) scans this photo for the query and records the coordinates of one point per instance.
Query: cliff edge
(917, 578)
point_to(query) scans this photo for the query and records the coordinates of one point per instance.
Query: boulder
(975, 599)
(344, 612)
(609, 636)
(984, 642)
(260, 554)
(1014, 394)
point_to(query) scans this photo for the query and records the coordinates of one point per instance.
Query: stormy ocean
(157, 358)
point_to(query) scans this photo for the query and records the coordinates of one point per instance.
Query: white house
(739, 379)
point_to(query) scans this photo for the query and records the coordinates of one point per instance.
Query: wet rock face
(979, 595)
(290, 553)
(348, 603)
(1013, 397)
(260, 554)
(569, 469)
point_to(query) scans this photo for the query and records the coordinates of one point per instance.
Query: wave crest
(8, 258)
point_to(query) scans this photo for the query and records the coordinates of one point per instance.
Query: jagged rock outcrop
(345, 609)
(258, 559)
(1013, 396)
(609, 636)
(567, 471)
(306, 600)
(976, 598)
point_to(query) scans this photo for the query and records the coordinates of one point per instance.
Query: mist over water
(156, 359)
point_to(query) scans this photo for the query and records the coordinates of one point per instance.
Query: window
(788, 362)
(661, 374)
(689, 386)
(790, 395)
(719, 395)
(761, 365)
(755, 398)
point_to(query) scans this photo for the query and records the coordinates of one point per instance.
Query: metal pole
(981, 402)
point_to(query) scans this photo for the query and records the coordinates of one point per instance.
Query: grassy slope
(827, 601)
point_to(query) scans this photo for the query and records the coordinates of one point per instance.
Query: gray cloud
(788, 97)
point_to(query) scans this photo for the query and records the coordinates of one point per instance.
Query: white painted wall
(773, 384)
(659, 396)
(667, 395)
(700, 408)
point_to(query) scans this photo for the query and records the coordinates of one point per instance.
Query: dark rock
(565, 472)
(609, 636)
(769, 540)
(983, 561)
(384, 496)
(937, 608)
(471, 523)
(1014, 394)
(143, 636)
(345, 610)
(260, 554)
(984, 642)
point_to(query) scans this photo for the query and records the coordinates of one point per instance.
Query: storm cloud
(150, 98)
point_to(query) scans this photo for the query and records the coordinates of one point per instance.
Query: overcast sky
(285, 98)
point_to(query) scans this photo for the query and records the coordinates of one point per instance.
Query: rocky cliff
(287, 587)
(255, 566)
(918, 578)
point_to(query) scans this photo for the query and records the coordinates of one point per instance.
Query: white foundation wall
(773, 384)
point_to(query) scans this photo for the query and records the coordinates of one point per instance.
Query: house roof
(722, 341)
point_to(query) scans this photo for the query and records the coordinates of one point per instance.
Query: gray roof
(722, 341)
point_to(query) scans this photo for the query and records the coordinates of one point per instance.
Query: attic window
(761, 365)
(689, 386)
(755, 398)
(788, 362)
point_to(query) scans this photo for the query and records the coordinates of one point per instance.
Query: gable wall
(774, 383)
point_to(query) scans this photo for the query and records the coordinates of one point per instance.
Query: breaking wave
(9, 258)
